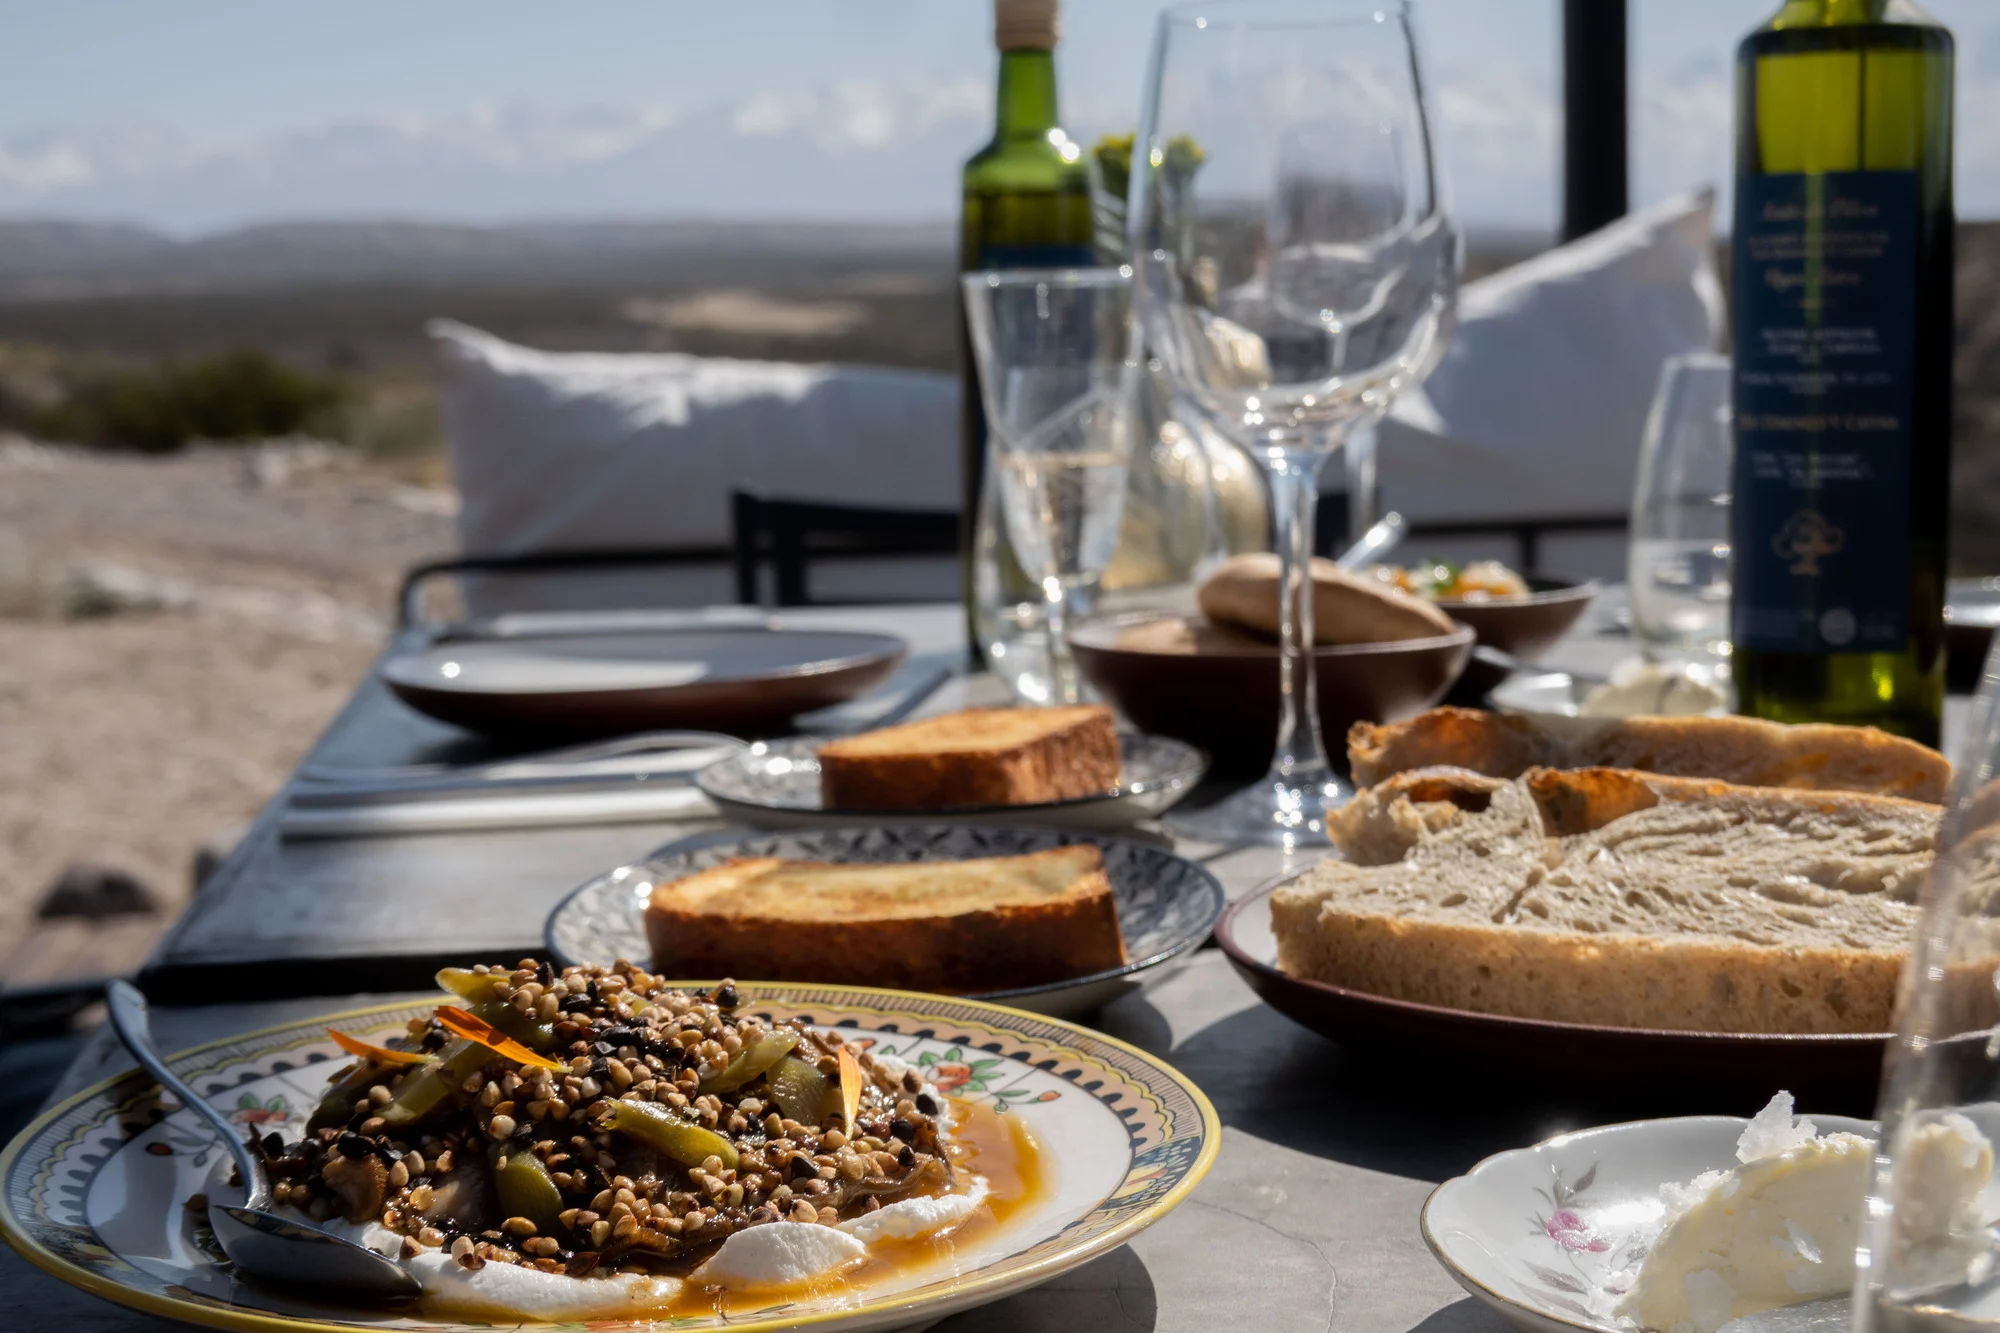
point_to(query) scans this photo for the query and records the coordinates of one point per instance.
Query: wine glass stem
(1063, 688)
(1300, 760)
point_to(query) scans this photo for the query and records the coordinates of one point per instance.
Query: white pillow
(577, 450)
(1538, 405)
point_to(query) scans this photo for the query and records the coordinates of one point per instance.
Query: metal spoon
(257, 1240)
(1378, 541)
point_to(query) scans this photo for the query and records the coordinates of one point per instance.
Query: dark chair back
(792, 534)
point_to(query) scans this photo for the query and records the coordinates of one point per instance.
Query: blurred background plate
(775, 784)
(1166, 904)
(1833, 1072)
(601, 684)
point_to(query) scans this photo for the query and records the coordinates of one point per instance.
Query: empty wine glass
(1677, 563)
(1058, 368)
(1295, 269)
(1929, 1244)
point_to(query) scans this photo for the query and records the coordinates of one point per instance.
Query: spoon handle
(129, 1019)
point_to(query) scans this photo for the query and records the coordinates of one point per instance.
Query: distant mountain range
(853, 152)
(52, 258)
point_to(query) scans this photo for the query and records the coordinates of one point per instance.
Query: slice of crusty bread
(1617, 898)
(1347, 607)
(1806, 756)
(981, 756)
(952, 926)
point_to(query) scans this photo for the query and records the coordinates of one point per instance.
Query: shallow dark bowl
(1971, 610)
(1226, 701)
(1837, 1072)
(1525, 627)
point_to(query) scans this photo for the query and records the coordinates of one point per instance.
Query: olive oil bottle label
(1825, 285)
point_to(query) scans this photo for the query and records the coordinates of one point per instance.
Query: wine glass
(1058, 369)
(1929, 1254)
(1294, 267)
(1677, 561)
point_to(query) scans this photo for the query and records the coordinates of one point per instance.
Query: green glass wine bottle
(1842, 332)
(1026, 204)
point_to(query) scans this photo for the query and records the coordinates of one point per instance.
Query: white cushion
(576, 450)
(1537, 408)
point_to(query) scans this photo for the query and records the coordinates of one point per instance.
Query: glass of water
(1677, 571)
(1059, 364)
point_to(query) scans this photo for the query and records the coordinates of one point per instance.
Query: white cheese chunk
(912, 1218)
(1778, 1229)
(778, 1254)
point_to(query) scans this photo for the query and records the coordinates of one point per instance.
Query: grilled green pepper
(522, 1182)
(752, 1060)
(424, 1090)
(658, 1127)
(800, 1090)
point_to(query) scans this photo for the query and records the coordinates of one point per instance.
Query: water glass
(1677, 568)
(1058, 370)
(1930, 1254)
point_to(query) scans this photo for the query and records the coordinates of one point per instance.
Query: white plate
(1166, 904)
(775, 784)
(1535, 1232)
(93, 1191)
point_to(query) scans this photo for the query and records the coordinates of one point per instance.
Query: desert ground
(173, 634)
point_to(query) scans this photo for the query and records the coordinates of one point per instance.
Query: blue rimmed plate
(1166, 904)
(775, 785)
(95, 1191)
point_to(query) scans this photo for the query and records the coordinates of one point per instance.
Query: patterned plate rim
(1194, 766)
(15, 1232)
(1218, 904)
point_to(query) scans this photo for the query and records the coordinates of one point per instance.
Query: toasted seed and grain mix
(666, 1123)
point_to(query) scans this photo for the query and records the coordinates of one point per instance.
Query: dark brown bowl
(1838, 1073)
(1525, 627)
(1224, 697)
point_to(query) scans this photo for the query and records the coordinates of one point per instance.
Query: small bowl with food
(1211, 679)
(1521, 615)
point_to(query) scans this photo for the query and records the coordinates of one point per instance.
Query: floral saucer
(1543, 1234)
(95, 1191)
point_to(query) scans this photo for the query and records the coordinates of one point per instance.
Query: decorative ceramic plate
(1166, 905)
(722, 679)
(1839, 1070)
(1537, 1232)
(775, 784)
(93, 1192)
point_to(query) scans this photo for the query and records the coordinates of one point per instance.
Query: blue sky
(194, 115)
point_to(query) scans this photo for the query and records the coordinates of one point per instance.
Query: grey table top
(1308, 1220)
(335, 915)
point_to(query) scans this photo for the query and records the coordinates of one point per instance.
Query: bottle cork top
(1025, 25)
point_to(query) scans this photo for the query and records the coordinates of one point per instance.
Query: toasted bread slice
(1618, 898)
(954, 926)
(981, 756)
(1741, 750)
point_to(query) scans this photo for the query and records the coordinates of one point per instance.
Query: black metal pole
(1595, 141)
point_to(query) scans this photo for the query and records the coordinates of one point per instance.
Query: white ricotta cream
(1781, 1227)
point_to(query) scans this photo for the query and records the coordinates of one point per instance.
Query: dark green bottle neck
(1027, 105)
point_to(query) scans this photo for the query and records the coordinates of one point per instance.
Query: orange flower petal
(381, 1055)
(461, 1024)
(850, 1087)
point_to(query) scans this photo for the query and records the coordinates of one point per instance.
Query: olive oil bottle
(1842, 333)
(1026, 204)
